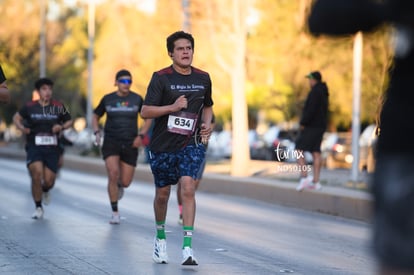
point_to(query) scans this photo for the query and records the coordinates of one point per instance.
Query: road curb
(338, 201)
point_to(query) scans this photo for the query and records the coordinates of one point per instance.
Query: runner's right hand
(180, 103)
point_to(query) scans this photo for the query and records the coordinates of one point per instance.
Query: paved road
(233, 235)
(265, 185)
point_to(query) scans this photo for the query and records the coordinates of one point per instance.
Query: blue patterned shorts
(167, 168)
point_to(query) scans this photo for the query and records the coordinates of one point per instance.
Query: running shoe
(314, 186)
(303, 183)
(38, 214)
(120, 191)
(46, 198)
(116, 219)
(180, 219)
(160, 251)
(188, 257)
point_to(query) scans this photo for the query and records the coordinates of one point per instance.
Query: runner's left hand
(205, 133)
(57, 128)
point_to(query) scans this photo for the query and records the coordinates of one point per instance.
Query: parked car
(259, 150)
(283, 146)
(328, 141)
(276, 144)
(337, 150)
(220, 144)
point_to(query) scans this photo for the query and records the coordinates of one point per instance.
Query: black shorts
(124, 150)
(310, 139)
(49, 155)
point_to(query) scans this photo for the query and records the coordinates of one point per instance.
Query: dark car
(275, 144)
(283, 147)
(337, 150)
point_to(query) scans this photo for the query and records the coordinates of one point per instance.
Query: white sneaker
(314, 186)
(38, 214)
(116, 219)
(46, 197)
(120, 191)
(160, 251)
(188, 257)
(303, 183)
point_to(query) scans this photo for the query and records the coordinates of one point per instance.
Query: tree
(282, 51)
(223, 25)
(275, 55)
(19, 53)
(128, 38)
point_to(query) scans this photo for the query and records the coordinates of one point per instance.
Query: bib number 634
(182, 123)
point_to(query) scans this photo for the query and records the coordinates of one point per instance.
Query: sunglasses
(125, 81)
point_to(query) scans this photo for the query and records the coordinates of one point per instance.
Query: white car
(220, 144)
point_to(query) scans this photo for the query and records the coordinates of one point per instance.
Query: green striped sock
(161, 230)
(188, 235)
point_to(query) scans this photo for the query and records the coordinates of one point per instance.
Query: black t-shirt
(40, 119)
(122, 115)
(164, 88)
(315, 111)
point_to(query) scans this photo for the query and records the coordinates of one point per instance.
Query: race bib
(45, 139)
(182, 123)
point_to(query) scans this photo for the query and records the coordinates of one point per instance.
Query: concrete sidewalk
(265, 186)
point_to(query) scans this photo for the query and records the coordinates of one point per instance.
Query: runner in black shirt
(176, 98)
(42, 121)
(121, 138)
(62, 140)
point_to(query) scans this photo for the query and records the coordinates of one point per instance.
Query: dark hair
(43, 81)
(122, 73)
(178, 35)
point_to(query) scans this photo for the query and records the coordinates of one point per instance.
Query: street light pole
(356, 105)
(186, 11)
(42, 57)
(91, 35)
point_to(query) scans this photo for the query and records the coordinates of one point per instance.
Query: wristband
(144, 139)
